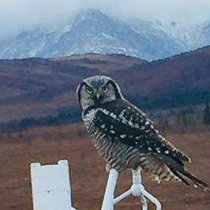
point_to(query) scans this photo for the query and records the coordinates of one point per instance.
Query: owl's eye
(89, 90)
(105, 89)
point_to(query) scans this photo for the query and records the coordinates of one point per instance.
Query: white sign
(51, 188)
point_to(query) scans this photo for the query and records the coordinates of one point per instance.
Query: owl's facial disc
(96, 90)
(97, 93)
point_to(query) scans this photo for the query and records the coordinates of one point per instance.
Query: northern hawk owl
(125, 137)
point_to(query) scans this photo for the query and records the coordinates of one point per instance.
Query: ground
(49, 145)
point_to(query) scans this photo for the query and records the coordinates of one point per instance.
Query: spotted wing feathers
(126, 123)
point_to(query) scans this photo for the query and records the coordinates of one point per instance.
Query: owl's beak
(97, 96)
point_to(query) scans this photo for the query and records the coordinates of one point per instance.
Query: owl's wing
(126, 123)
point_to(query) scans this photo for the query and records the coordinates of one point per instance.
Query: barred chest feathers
(119, 156)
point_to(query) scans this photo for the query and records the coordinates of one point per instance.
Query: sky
(17, 15)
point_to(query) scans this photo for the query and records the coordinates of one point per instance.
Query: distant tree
(178, 118)
(206, 114)
(184, 119)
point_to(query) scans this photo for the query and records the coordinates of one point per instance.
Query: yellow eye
(105, 89)
(89, 90)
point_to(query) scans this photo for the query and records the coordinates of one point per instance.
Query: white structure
(137, 189)
(51, 188)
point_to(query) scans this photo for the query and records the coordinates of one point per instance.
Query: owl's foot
(108, 168)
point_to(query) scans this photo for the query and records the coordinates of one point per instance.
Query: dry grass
(88, 174)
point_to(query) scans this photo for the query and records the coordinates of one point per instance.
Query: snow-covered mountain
(91, 31)
(94, 32)
(188, 35)
(204, 38)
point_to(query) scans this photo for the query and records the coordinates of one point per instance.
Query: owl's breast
(120, 156)
(96, 133)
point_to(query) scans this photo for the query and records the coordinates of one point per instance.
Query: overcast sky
(16, 15)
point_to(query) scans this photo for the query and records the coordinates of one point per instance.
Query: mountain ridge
(39, 88)
(91, 31)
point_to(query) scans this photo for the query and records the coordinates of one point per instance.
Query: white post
(51, 189)
(137, 189)
(108, 202)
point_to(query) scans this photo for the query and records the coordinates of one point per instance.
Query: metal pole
(137, 189)
(154, 200)
(108, 201)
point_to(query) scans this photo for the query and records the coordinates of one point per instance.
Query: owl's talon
(108, 168)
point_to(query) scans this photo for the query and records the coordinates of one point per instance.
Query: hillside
(39, 88)
(175, 81)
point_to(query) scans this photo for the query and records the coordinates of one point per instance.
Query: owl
(125, 137)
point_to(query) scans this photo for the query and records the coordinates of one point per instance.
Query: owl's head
(96, 90)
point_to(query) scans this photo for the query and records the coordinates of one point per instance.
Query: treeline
(165, 119)
(180, 119)
(173, 100)
(70, 115)
(206, 114)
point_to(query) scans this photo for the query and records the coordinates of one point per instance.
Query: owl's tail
(186, 177)
(170, 169)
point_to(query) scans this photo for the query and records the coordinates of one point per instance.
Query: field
(49, 144)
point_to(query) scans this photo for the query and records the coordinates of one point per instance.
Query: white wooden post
(51, 189)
